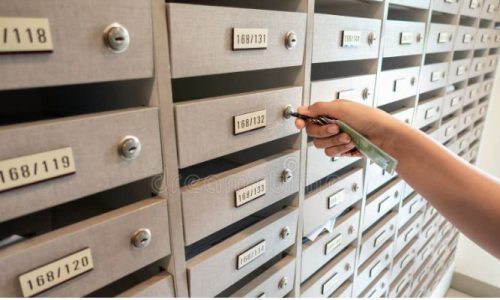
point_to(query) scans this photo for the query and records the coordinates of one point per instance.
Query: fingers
(324, 131)
(336, 140)
(300, 123)
(339, 150)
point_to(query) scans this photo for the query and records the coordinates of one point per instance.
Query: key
(363, 145)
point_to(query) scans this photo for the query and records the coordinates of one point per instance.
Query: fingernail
(345, 139)
(332, 129)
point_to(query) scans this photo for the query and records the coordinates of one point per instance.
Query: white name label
(497, 38)
(25, 35)
(328, 286)
(375, 269)
(250, 38)
(34, 168)
(461, 70)
(485, 38)
(348, 95)
(250, 192)
(55, 273)
(474, 4)
(449, 131)
(400, 84)
(467, 38)
(492, 8)
(335, 199)
(431, 112)
(251, 254)
(250, 121)
(351, 39)
(333, 244)
(379, 239)
(444, 37)
(479, 66)
(406, 38)
(436, 76)
(455, 101)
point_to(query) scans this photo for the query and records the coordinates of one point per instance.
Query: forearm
(463, 194)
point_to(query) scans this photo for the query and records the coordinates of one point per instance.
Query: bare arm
(467, 197)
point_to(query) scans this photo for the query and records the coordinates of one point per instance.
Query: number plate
(406, 38)
(436, 76)
(25, 35)
(474, 4)
(399, 84)
(249, 122)
(467, 38)
(479, 66)
(328, 286)
(443, 37)
(497, 38)
(333, 244)
(380, 237)
(250, 38)
(347, 95)
(455, 101)
(251, 254)
(449, 131)
(55, 273)
(375, 269)
(351, 39)
(34, 168)
(461, 70)
(492, 8)
(336, 199)
(485, 38)
(251, 192)
(431, 112)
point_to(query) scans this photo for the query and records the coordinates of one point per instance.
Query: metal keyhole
(288, 111)
(355, 187)
(351, 230)
(291, 40)
(366, 93)
(286, 175)
(285, 232)
(116, 38)
(130, 148)
(141, 238)
(283, 283)
(347, 267)
(371, 38)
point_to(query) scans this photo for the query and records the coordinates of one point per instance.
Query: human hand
(373, 123)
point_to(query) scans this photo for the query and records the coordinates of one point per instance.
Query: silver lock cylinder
(366, 93)
(371, 38)
(130, 147)
(355, 187)
(351, 230)
(347, 267)
(288, 111)
(291, 40)
(285, 232)
(116, 38)
(420, 37)
(283, 283)
(141, 238)
(286, 175)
